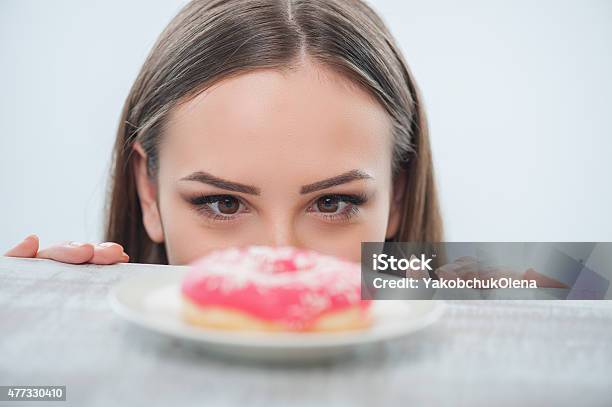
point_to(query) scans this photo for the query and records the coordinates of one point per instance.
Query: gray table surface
(57, 328)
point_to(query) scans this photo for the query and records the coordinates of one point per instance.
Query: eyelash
(353, 203)
(202, 203)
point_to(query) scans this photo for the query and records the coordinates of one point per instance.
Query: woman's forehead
(297, 120)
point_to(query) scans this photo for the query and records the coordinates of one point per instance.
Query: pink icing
(282, 284)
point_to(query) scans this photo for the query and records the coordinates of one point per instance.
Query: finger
(109, 253)
(501, 272)
(461, 270)
(446, 273)
(466, 260)
(26, 248)
(543, 281)
(416, 274)
(468, 272)
(447, 269)
(469, 275)
(71, 252)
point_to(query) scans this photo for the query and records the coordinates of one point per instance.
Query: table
(57, 328)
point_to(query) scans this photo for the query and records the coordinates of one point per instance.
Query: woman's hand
(467, 268)
(71, 252)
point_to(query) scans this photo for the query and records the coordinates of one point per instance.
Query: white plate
(153, 301)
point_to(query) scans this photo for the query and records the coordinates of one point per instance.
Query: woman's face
(300, 158)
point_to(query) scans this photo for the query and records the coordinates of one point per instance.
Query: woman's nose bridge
(281, 232)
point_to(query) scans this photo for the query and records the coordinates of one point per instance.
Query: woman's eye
(337, 207)
(219, 207)
(330, 204)
(227, 205)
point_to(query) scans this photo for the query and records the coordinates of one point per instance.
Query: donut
(260, 288)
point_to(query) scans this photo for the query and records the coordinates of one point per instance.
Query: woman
(268, 122)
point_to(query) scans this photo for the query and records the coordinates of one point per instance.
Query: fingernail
(76, 244)
(106, 244)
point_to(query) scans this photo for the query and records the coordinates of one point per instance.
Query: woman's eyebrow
(333, 181)
(206, 178)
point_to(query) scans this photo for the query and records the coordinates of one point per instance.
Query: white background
(519, 97)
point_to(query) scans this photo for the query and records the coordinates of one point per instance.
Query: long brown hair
(210, 40)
